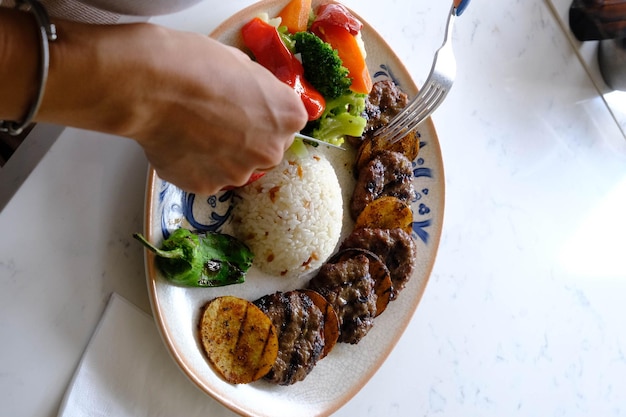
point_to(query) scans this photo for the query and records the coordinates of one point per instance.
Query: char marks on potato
(239, 340)
(386, 213)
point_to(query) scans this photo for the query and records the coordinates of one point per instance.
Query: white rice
(291, 218)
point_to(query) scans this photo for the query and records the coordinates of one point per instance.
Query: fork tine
(413, 105)
(436, 88)
(430, 100)
(426, 102)
(412, 123)
(400, 127)
(409, 112)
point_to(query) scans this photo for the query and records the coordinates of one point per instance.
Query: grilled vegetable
(408, 145)
(336, 25)
(211, 260)
(386, 212)
(239, 340)
(295, 15)
(331, 322)
(322, 66)
(342, 117)
(269, 50)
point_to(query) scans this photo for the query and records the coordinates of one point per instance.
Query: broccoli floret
(342, 117)
(322, 66)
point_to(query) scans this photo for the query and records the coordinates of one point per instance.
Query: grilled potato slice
(239, 340)
(386, 213)
(331, 321)
(409, 145)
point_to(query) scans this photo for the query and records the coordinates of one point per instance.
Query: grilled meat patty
(387, 174)
(395, 247)
(350, 289)
(382, 104)
(300, 327)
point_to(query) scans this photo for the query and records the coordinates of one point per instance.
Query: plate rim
(435, 238)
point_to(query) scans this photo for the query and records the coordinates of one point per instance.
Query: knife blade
(306, 139)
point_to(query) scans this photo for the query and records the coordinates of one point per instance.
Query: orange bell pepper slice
(295, 15)
(350, 53)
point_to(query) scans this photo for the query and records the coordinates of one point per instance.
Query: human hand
(205, 114)
(224, 117)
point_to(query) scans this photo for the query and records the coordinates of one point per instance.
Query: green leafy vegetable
(322, 66)
(211, 260)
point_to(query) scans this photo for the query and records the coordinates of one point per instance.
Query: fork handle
(459, 6)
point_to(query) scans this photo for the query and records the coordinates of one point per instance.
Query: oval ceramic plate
(340, 375)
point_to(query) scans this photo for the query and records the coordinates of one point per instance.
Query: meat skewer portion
(387, 174)
(300, 327)
(350, 289)
(395, 247)
(383, 103)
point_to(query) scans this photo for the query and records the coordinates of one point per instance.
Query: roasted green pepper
(210, 260)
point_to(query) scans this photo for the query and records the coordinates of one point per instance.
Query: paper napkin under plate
(126, 371)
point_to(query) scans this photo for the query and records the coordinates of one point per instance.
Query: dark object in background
(598, 19)
(9, 143)
(612, 62)
(603, 21)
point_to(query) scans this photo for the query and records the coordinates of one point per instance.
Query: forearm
(90, 84)
(19, 60)
(86, 80)
(198, 108)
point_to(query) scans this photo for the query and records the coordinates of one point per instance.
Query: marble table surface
(523, 314)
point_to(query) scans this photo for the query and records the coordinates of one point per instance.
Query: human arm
(204, 113)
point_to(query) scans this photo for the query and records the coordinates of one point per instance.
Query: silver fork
(435, 89)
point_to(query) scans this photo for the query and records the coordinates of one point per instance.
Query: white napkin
(126, 371)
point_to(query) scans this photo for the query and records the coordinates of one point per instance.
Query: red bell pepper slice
(268, 49)
(334, 14)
